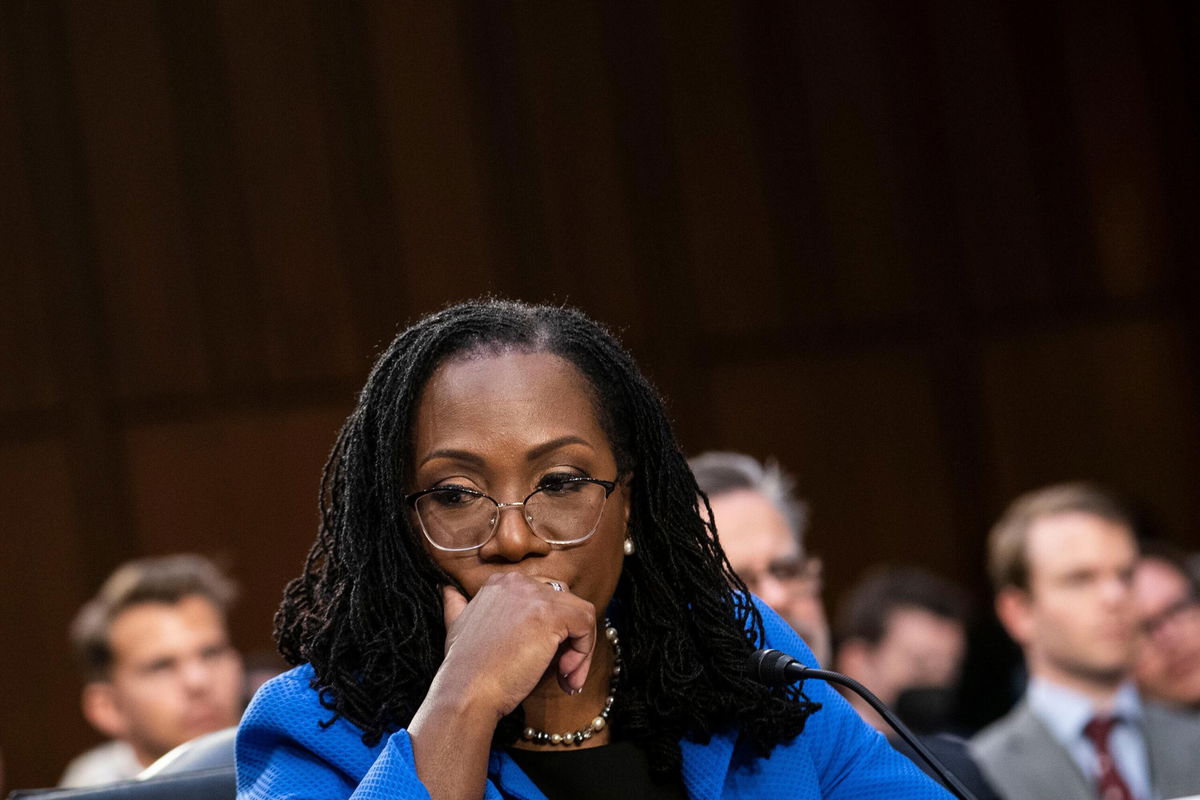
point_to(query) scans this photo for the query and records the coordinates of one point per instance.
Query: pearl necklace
(597, 724)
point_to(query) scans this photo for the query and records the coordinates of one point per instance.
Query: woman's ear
(627, 495)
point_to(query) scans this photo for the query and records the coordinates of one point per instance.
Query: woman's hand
(500, 644)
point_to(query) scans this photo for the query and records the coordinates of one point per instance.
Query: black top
(620, 769)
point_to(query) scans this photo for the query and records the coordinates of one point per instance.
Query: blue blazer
(283, 752)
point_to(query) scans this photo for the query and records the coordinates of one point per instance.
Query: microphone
(775, 668)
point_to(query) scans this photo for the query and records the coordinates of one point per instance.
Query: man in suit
(1062, 562)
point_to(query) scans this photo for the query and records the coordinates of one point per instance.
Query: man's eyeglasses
(795, 571)
(1181, 609)
(456, 518)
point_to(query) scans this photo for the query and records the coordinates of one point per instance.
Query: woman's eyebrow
(554, 444)
(457, 455)
(532, 455)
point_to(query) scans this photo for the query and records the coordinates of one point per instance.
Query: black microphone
(775, 668)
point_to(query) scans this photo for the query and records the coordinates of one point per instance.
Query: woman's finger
(575, 661)
(453, 604)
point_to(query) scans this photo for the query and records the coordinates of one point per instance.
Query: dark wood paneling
(854, 123)
(285, 148)
(72, 293)
(573, 144)
(1109, 95)
(241, 487)
(1092, 402)
(723, 204)
(135, 200)
(928, 255)
(26, 359)
(783, 138)
(878, 488)
(992, 187)
(220, 258)
(667, 339)
(500, 115)
(434, 154)
(46, 579)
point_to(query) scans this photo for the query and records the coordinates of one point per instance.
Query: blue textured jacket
(283, 752)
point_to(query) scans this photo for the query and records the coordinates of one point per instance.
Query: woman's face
(504, 425)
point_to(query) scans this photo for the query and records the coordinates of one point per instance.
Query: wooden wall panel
(25, 354)
(282, 130)
(777, 91)
(635, 37)
(435, 154)
(853, 130)
(576, 160)
(135, 201)
(228, 295)
(1055, 161)
(240, 487)
(1109, 90)
(44, 583)
(994, 193)
(730, 248)
(860, 432)
(1106, 402)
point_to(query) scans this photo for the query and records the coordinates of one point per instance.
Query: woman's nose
(514, 538)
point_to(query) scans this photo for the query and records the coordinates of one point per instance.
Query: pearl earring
(628, 546)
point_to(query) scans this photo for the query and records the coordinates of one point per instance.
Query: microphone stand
(795, 671)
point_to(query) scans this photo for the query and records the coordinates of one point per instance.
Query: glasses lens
(567, 511)
(1185, 610)
(787, 569)
(456, 519)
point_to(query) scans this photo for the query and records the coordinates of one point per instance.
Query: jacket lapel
(1173, 741)
(1043, 765)
(706, 765)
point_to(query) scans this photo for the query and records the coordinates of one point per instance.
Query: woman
(512, 594)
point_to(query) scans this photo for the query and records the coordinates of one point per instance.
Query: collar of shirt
(1065, 712)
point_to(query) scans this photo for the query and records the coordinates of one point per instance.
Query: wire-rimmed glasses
(562, 512)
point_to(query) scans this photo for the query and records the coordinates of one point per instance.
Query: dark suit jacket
(1023, 760)
(951, 751)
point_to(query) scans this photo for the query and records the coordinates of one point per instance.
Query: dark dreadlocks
(367, 611)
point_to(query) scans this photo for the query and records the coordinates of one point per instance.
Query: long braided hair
(367, 613)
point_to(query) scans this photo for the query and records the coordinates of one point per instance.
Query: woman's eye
(453, 496)
(561, 483)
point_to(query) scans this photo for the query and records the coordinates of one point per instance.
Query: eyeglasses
(1184, 608)
(456, 519)
(796, 572)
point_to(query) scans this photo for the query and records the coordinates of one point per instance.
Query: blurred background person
(903, 630)
(762, 525)
(1062, 561)
(1192, 563)
(1168, 613)
(159, 665)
